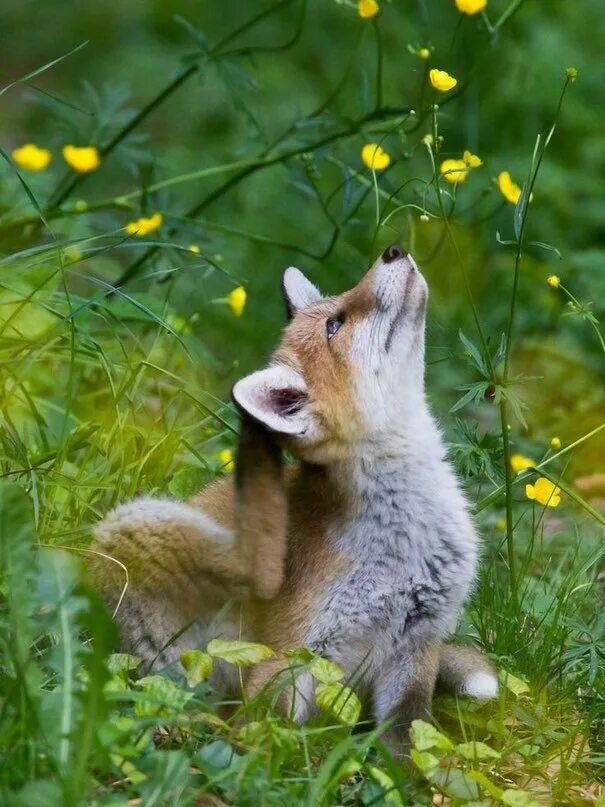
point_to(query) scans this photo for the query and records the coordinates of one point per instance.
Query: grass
(114, 367)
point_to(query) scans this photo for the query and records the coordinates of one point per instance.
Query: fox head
(349, 371)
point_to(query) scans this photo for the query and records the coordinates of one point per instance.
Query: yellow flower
(441, 80)
(553, 281)
(194, 248)
(555, 443)
(472, 160)
(509, 189)
(455, 171)
(142, 227)
(375, 157)
(367, 9)
(501, 524)
(236, 300)
(32, 158)
(225, 457)
(423, 53)
(520, 463)
(470, 6)
(544, 492)
(81, 158)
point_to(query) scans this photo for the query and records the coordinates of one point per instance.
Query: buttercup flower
(509, 189)
(520, 463)
(32, 158)
(553, 281)
(225, 457)
(544, 492)
(441, 80)
(555, 443)
(470, 6)
(81, 158)
(455, 171)
(236, 300)
(472, 160)
(367, 9)
(194, 248)
(143, 226)
(375, 157)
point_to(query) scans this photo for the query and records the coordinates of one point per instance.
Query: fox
(363, 550)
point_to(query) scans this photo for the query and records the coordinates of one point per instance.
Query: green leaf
(474, 353)
(424, 761)
(242, 654)
(516, 685)
(391, 794)
(164, 697)
(122, 663)
(300, 655)
(339, 701)
(476, 750)
(326, 671)
(425, 736)
(486, 784)
(519, 798)
(198, 666)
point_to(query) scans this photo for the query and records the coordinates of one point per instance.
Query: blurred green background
(282, 70)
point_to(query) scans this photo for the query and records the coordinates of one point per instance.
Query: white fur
(481, 685)
(300, 292)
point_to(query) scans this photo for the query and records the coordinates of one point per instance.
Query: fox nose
(393, 253)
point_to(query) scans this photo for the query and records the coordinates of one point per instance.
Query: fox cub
(364, 551)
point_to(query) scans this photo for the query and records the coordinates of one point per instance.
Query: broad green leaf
(486, 784)
(242, 654)
(516, 685)
(424, 761)
(350, 767)
(519, 798)
(122, 662)
(455, 783)
(339, 701)
(326, 671)
(198, 666)
(425, 736)
(476, 750)
(164, 697)
(300, 655)
(391, 794)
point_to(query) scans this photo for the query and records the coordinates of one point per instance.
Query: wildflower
(555, 443)
(441, 80)
(225, 457)
(375, 157)
(236, 300)
(143, 226)
(509, 189)
(428, 140)
(520, 463)
(423, 53)
(501, 524)
(32, 158)
(80, 206)
(554, 281)
(81, 158)
(470, 6)
(472, 160)
(571, 73)
(424, 218)
(455, 171)
(544, 492)
(194, 248)
(367, 9)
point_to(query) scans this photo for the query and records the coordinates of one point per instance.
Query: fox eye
(333, 324)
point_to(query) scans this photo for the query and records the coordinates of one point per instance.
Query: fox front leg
(403, 692)
(261, 508)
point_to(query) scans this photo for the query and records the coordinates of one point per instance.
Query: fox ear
(298, 291)
(276, 398)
